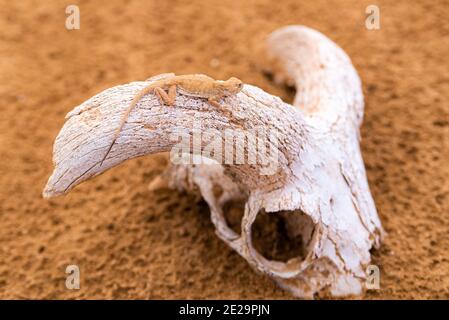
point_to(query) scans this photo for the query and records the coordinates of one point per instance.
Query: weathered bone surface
(319, 185)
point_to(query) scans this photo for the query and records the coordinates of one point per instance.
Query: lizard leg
(168, 99)
(172, 94)
(161, 94)
(213, 101)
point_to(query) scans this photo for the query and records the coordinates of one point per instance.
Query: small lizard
(195, 85)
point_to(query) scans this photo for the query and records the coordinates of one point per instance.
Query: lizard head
(232, 86)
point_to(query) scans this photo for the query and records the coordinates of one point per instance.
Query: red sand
(131, 243)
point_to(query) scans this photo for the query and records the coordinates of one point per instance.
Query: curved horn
(152, 128)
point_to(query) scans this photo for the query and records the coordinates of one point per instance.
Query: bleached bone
(320, 185)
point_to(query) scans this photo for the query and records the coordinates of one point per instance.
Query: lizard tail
(107, 152)
(125, 116)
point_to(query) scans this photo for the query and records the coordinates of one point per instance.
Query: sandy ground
(133, 243)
